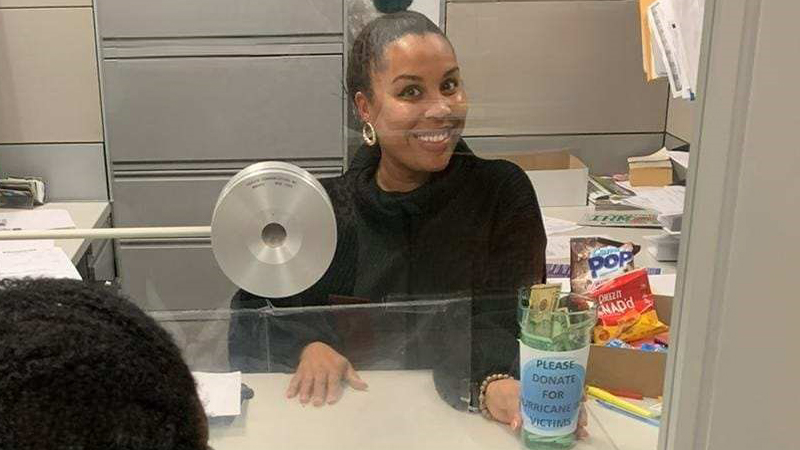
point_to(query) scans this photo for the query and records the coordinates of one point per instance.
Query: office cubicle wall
(680, 121)
(195, 91)
(555, 74)
(50, 97)
(50, 108)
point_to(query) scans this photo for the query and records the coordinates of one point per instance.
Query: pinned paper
(674, 29)
(647, 46)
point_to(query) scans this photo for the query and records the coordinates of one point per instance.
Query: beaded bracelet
(482, 397)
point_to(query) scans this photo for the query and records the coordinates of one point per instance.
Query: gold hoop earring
(369, 135)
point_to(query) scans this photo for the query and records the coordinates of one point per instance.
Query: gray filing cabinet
(146, 19)
(210, 108)
(195, 90)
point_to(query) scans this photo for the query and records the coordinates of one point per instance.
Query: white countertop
(85, 215)
(401, 410)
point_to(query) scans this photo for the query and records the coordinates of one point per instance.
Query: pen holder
(554, 349)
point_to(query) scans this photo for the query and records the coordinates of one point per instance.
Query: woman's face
(418, 106)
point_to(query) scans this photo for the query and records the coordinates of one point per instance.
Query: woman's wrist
(484, 389)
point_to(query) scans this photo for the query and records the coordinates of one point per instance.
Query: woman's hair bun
(391, 6)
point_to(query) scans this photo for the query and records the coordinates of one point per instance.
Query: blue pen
(607, 405)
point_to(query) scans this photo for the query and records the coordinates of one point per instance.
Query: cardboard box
(559, 178)
(650, 176)
(630, 370)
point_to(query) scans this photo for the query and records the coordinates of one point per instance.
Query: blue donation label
(552, 389)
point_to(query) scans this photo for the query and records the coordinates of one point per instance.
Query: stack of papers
(28, 244)
(555, 226)
(18, 192)
(36, 259)
(40, 219)
(220, 393)
(664, 201)
(604, 191)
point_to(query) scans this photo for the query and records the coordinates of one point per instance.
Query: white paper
(659, 66)
(689, 17)
(660, 155)
(40, 219)
(44, 262)
(28, 244)
(680, 158)
(664, 247)
(557, 247)
(666, 200)
(669, 45)
(662, 284)
(664, 239)
(553, 225)
(568, 368)
(220, 393)
(635, 189)
(676, 30)
(673, 223)
(566, 287)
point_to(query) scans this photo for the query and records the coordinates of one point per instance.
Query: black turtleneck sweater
(474, 230)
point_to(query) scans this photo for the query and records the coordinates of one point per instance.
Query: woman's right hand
(320, 374)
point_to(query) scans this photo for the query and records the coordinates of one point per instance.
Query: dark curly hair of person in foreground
(83, 368)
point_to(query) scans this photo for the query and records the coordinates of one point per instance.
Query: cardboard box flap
(559, 178)
(546, 160)
(626, 370)
(631, 370)
(663, 308)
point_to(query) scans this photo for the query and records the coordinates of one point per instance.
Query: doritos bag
(625, 309)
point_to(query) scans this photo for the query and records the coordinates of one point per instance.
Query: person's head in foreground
(83, 368)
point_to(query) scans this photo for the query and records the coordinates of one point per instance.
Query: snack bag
(596, 260)
(625, 309)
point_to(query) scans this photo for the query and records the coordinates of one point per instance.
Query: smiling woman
(404, 79)
(419, 216)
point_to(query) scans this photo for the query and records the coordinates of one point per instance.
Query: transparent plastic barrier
(422, 346)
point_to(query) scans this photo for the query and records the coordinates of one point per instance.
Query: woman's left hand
(502, 399)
